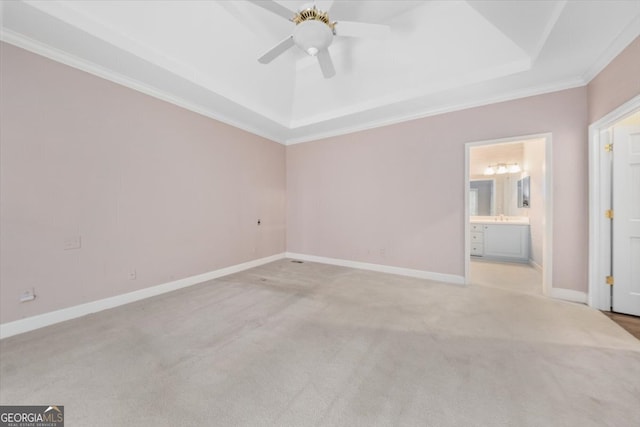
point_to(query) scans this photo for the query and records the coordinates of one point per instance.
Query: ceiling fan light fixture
(314, 32)
(312, 36)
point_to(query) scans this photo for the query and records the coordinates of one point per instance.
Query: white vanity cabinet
(506, 241)
(500, 241)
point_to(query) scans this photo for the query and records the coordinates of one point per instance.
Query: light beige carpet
(309, 344)
(514, 277)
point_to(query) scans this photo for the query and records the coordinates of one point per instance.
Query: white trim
(467, 217)
(373, 124)
(282, 137)
(599, 291)
(416, 92)
(535, 265)
(65, 58)
(53, 317)
(420, 274)
(285, 131)
(547, 242)
(569, 295)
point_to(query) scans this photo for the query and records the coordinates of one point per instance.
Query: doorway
(508, 237)
(614, 220)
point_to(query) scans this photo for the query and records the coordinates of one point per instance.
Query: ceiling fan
(314, 33)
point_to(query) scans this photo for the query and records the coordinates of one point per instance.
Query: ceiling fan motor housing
(313, 14)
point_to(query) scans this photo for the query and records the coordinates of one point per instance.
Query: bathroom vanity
(500, 239)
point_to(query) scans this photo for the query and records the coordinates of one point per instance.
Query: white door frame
(599, 201)
(547, 239)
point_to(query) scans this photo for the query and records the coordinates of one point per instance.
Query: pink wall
(616, 84)
(147, 185)
(395, 195)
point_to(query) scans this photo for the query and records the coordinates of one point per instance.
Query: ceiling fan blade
(326, 64)
(274, 7)
(360, 29)
(276, 51)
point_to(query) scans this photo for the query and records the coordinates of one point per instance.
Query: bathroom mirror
(482, 197)
(495, 196)
(524, 192)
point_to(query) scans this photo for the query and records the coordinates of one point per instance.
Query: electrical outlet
(72, 242)
(28, 295)
(133, 275)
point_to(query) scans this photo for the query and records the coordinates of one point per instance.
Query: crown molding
(69, 15)
(509, 96)
(409, 95)
(57, 55)
(366, 115)
(73, 61)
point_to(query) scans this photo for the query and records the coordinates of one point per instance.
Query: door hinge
(608, 213)
(608, 147)
(610, 280)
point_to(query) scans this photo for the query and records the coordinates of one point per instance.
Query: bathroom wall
(153, 192)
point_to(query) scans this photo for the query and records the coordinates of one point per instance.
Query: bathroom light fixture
(502, 168)
(489, 170)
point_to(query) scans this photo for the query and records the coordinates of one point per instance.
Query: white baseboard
(569, 295)
(53, 317)
(421, 274)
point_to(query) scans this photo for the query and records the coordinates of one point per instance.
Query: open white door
(626, 221)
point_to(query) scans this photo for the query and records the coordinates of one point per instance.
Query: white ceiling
(440, 56)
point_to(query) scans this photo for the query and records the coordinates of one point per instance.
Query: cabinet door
(507, 241)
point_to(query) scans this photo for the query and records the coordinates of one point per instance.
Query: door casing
(599, 201)
(547, 244)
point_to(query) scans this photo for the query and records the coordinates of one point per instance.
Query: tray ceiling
(440, 55)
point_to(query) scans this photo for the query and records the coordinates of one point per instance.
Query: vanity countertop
(514, 220)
